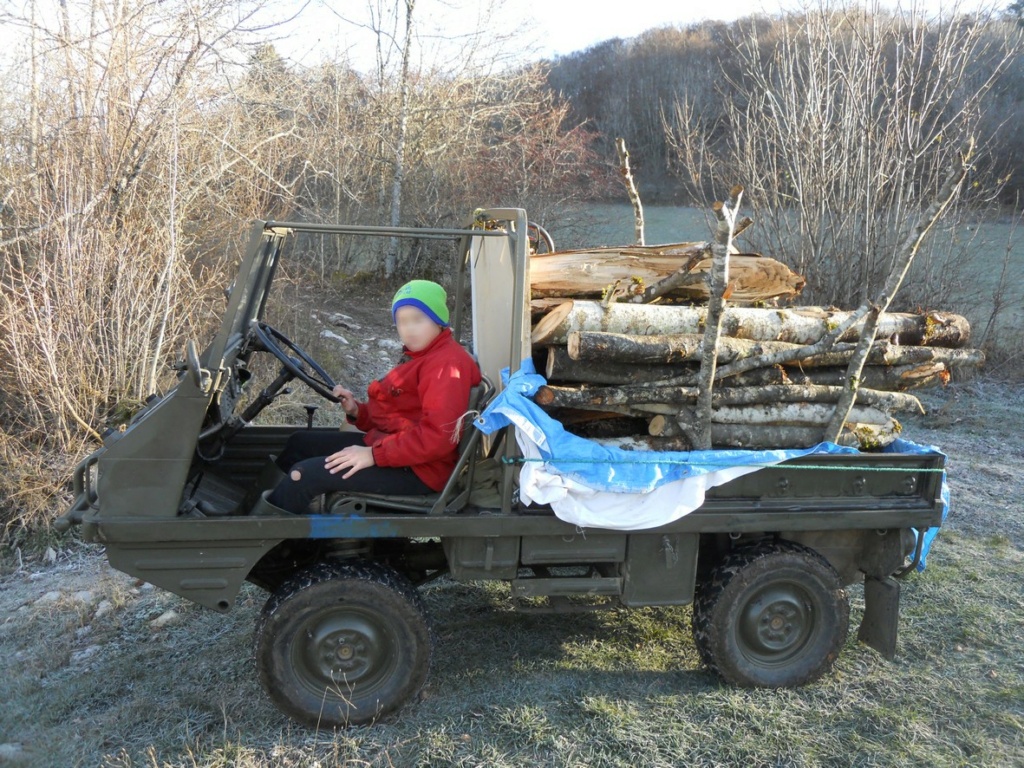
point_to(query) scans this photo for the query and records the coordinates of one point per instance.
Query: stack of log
(621, 353)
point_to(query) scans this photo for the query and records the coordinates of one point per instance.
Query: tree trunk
(802, 325)
(578, 274)
(398, 178)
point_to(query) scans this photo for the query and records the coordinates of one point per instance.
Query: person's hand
(348, 400)
(353, 458)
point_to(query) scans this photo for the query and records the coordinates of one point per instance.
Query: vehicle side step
(566, 586)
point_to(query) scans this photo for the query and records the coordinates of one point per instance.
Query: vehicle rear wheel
(342, 644)
(772, 616)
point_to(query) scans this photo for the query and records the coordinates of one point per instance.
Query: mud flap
(881, 615)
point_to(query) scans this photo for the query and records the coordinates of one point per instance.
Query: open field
(105, 671)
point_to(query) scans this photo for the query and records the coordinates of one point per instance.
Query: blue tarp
(615, 470)
(607, 468)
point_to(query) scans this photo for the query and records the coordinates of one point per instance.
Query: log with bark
(802, 325)
(560, 368)
(597, 346)
(600, 397)
(589, 272)
(767, 437)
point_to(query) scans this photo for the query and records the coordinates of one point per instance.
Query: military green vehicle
(343, 638)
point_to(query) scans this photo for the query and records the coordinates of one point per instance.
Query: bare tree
(843, 128)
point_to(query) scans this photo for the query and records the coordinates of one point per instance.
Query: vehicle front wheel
(342, 644)
(772, 616)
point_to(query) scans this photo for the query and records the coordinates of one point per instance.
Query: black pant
(306, 451)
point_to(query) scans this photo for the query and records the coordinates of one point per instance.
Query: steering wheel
(306, 369)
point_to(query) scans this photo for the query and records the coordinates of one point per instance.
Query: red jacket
(411, 416)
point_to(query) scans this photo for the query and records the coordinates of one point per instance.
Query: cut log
(540, 307)
(562, 368)
(584, 273)
(660, 348)
(793, 414)
(599, 397)
(596, 346)
(891, 378)
(803, 325)
(863, 436)
(766, 437)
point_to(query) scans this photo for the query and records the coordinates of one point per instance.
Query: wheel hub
(349, 649)
(775, 624)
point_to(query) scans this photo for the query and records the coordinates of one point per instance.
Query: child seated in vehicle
(410, 423)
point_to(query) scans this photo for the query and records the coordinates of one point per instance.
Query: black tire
(342, 644)
(773, 616)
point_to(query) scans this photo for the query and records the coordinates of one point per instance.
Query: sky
(546, 28)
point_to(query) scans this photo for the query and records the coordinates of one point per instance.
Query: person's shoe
(270, 475)
(263, 508)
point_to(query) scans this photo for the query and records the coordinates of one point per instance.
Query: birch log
(803, 325)
(561, 368)
(626, 348)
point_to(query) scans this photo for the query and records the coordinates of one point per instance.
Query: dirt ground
(103, 669)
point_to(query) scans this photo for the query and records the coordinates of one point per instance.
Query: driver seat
(452, 498)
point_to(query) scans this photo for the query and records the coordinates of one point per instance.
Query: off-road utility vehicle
(343, 638)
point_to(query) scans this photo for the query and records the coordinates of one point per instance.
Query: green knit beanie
(426, 296)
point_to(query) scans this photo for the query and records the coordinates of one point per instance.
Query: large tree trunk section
(587, 273)
(597, 346)
(804, 325)
(599, 397)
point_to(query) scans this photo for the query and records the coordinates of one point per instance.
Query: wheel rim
(339, 650)
(777, 623)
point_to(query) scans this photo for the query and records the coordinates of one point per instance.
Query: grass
(619, 688)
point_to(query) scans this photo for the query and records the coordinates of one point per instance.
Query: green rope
(523, 460)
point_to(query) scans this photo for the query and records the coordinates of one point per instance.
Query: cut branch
(881, 303)
(634, 196)
(726, 215)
